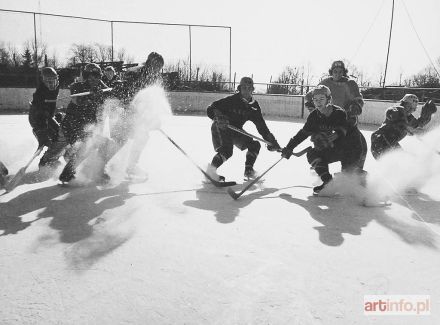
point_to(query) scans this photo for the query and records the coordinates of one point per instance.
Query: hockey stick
(15, 181)
(74, 95)
(235, 195)
(248, 134)
(213, 181)
(88, 93)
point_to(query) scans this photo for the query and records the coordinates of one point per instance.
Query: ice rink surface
(172, 250)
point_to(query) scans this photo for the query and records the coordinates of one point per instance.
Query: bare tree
(121, 54)
(83, 53)
(16, 58)
(38, 51)
(104, 52)
(53, 60)
(290, 75)
(129, 59)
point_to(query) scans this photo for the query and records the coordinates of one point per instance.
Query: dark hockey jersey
(318, 122)
(238, 111)
(396, 124)
(85, 111)
(42, 111)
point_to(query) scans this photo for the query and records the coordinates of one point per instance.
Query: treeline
(296, 81)
(18, 68)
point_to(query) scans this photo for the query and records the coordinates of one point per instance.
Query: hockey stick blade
(222, 184)
(15, 181)
(213, 181)
(235, 195)
(302, 152)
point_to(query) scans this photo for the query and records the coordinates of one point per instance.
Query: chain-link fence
(33, 39)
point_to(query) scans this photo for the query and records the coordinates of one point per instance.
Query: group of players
(334, 107)
(68, 134)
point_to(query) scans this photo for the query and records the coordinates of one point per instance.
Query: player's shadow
(11, 211)
(225, 208)
(35, 176)
(425, 208)
(77, 215)
(339, 216)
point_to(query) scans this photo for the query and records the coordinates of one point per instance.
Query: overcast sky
(266, 35)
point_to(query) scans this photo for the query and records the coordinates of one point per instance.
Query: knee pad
(313, 156)
(226, 153)
(254, 147)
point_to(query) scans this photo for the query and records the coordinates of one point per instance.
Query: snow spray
(395, 172)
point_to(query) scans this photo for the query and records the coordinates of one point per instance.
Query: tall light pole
(389, 43)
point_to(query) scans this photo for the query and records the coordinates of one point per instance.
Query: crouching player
(399, 121)
(235, 110)
(327, 125)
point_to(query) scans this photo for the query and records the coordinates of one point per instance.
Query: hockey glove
(286, 152)
(354, 109)
(274, 146)
(428, 109)
(321, 141)
(43, 139)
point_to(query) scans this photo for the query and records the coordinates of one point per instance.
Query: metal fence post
(190, 46)
(36, 50)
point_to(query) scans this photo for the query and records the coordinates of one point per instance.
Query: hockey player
(45, 122)
(124, 129)
(140, 77)
(235, 110)
(110, 78)
(399, 121)
(82, 114)
(327, 125)
(345, 94)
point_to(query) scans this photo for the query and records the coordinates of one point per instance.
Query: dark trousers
(224, 141)
(380, 144)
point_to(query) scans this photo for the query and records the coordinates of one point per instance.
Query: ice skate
(135, 173)
(324, 189)
(67, 175)
(103, 179)
(211, 171)
(249, 173)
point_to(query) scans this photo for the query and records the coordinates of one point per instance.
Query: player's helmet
(156, 59)
(92, 69)
(245, 81)
(109, 68)
(322, 90)
(338, 64)
(411, 99)
(49, 77)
